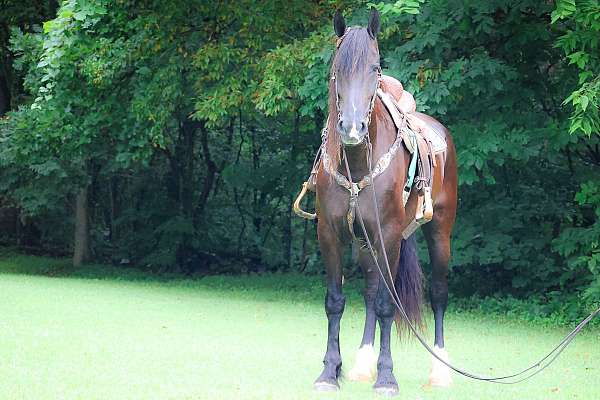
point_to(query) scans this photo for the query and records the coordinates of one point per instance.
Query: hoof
(439, 376)
(326, 387)
(365, 367)
(387, 391)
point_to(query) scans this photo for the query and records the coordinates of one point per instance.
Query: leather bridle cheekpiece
(337, 97)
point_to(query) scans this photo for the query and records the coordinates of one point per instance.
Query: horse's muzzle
(349, 141)
(352, 134)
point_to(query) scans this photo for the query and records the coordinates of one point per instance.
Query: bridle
(354, 209)
(371, 103)
(337, 96)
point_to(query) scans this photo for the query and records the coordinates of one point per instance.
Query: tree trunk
(81, 251)
(287, 228)
(19, 229)
(211, 171)
(114, 214)
(4, 96)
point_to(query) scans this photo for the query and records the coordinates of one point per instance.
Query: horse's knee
(334, 303)
(383, 305)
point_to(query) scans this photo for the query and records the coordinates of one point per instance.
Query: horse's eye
(375, 68)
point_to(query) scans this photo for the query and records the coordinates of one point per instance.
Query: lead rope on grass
(552, 355)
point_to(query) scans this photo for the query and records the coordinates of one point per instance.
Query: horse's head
(356, 72)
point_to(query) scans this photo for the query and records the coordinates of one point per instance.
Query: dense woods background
(173, 135)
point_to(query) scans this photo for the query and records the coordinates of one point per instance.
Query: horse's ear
(374, 23)
(339, 25)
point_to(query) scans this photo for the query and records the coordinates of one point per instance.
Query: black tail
(409, 286)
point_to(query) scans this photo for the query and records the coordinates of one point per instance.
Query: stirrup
(299, 212)
(423, 214)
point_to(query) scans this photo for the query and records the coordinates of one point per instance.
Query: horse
(358, 121)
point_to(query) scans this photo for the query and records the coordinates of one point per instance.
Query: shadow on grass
(287, 287)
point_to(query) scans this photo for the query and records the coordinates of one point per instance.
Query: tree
(176, 133)
(580, 22)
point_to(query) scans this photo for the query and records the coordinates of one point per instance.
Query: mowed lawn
(69, 335)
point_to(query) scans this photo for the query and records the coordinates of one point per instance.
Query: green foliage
(580, 22)
(519, 169)
(285, 83)
(552, 309)
(399, 7)
(193, 127)
(152, 103)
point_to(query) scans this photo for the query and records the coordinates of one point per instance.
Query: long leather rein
(354, 208)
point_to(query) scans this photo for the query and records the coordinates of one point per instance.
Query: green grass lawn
(86, 334)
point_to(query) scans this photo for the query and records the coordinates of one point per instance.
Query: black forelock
(353, 51)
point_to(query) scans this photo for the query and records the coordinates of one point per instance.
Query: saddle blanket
(420, 127)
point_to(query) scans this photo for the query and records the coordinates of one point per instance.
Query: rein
(405, 136)
(552, 355)
(354, 208)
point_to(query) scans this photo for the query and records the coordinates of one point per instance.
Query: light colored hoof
(325, 387)
(365, 367)
(439, 376)
(387, 391)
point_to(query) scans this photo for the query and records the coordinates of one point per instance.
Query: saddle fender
(426, 125)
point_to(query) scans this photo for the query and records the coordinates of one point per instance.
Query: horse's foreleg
(366, 360)
(385, 310)
(334, 307)
(386, 382)
(439, 253)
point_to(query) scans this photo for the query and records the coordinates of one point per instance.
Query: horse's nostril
(340, 125)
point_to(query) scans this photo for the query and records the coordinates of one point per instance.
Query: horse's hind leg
(366, 360)
(438, 243)
(334, 307)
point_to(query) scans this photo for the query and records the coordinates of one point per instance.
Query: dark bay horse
(356, 118)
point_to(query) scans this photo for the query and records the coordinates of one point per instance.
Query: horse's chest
(345, 213)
